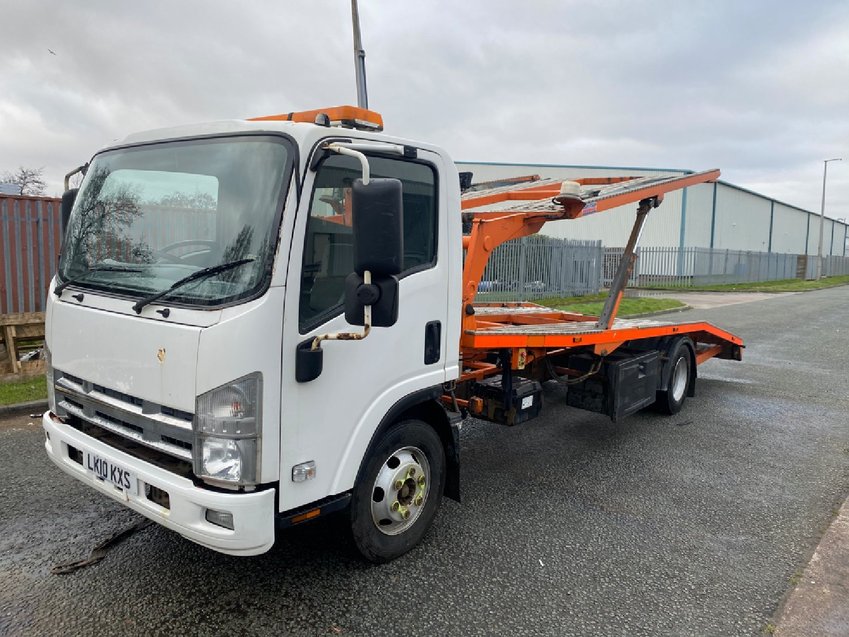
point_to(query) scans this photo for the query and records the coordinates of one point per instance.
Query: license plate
(108, 471)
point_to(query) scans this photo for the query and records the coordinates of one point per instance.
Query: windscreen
(148, 216)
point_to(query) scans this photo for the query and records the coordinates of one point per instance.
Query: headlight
(51, 387)
(228, 430)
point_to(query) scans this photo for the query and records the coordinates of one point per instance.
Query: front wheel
(398, 491)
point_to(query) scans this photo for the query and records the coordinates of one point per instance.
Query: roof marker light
(344, 116)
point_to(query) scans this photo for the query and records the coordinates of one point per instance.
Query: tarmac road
(691, 525)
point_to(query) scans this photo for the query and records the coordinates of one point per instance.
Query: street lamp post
(822, 213)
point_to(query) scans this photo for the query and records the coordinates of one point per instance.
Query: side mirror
(465, 180)
(378, 224)
(378, 228)
(381, 294)
(68, 199)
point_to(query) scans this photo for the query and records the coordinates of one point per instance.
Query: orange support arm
(489, 232)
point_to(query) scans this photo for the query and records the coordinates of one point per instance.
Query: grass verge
(784, 285)
(628, 307)
(22, 391)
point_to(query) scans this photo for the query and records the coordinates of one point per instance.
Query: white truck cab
(197, 263)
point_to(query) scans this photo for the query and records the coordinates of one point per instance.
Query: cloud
(759, 91)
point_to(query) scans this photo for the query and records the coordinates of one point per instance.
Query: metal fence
(688, 267)
(538, 266)
(834, 266)
(29, 251)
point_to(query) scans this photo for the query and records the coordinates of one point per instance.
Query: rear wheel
(398, 492)
(672, 397)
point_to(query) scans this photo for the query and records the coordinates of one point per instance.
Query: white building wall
(697, 216)
(832, 236)
(841, 235)
(742, 220)
(813, 234)
(789, 228)
(826, 235)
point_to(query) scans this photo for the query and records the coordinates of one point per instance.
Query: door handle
(433, 342)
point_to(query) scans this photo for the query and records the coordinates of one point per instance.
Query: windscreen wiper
(194, 276)
(104, 267)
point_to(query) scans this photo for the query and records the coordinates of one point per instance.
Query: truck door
(330, 420)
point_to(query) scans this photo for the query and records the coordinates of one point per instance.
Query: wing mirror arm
(371, 291)
(344, 150)
(368, 291)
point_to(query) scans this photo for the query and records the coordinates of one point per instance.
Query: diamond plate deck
(490, 310)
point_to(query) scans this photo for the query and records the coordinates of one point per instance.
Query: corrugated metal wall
(29, 251)
(723, 216)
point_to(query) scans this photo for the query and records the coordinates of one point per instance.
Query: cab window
(328, 248)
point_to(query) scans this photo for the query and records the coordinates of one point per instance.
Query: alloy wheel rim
(400, 490)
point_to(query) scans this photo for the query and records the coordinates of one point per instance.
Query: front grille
(176, 413)
(126, 422)
(130, 447)
(118, 395)
(120, 423)
(177, 443)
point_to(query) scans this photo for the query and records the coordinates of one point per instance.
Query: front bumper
(253, 513)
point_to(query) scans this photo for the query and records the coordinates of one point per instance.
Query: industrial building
(720, 215)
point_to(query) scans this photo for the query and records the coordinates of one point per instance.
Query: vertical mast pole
(359, 58)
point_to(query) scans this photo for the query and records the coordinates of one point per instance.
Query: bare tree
(30, 181)
(197, 200)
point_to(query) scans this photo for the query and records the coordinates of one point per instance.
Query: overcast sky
(759, 89)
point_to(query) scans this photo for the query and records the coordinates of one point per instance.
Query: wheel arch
(424, 405)
(668, 347)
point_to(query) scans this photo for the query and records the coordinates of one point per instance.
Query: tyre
(671, 398)
(398, 491)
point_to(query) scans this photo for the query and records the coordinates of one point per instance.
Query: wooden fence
(21, 334)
